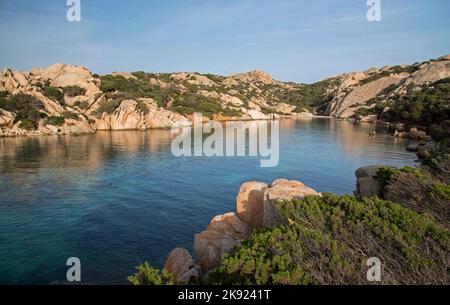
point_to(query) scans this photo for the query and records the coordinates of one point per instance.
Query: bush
(329, 240)
(190, 103)
(430, 105)
(28, 124)
(54, 94)
(73, 91)
(108, 106)
(55, 120)
(26, 107)
(82, 104)
(71, 115)
(147, 275)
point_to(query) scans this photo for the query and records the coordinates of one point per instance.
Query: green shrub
(190, 103)
(55, 120)
(28, 124)
(71, 115)
(73, 91)
(142, 107)
(3, 94)
(108, 106)
(82, 104)
(54, 94)
(329, 240)
(147, 275)
(24, 106)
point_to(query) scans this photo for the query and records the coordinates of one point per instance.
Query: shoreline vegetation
(286, 233)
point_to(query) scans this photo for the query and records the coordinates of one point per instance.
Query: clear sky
(294, 40)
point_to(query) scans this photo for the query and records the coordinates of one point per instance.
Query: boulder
(425, 151)
(414, 133)
(182, 266)
(6, 118)
(414, 147)
(223, 234)
(282, 189)
(366, 183)
(249, 203)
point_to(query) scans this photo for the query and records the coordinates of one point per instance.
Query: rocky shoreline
(255, 209)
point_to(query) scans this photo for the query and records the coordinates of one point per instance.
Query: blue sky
(293, 40)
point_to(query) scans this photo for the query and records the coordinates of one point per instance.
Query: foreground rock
(282, 189)
(249, 203)
(223, 234)
(367, 184)
(182, 266)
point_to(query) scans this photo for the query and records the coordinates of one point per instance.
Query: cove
(116, 199)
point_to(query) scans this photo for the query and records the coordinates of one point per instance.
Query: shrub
(147, 275)
(81, 104)
(108, 106)
(71, 115)
(329, 240)
(54, 94)
(74, 91)
(190, 103)
(55, 120)
(24, 106)
(142, 107)
(28, 124)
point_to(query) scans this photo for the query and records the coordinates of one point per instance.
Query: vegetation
(54, 94)
(329, 240)
(147, 275)
(190, 103)
(82, 104)
(73, 91)
(55, 120)
(26, 107)
(316, 95)
(430, 105)
(71, 115)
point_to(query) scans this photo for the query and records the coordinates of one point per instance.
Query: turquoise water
(115, 199)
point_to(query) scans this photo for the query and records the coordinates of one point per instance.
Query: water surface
(115, 199)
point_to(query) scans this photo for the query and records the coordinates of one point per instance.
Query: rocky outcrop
(282, 189)
(367, 184)
(360, 89)
(128, 116)
(413, 133)
(223, 234)
(255, 206)
(344, 106)
(181, 265)
(249, 203)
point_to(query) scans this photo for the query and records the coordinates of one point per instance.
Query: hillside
(67, 99)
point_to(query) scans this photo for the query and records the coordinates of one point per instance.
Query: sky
(293, 40)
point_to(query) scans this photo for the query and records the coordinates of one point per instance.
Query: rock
(413, 147)
(366, 183)
(282, 189)
(256, 115)
(125, 117)
(182, 266)
(223, 234)
(102, 124)
(249, 203)
(349, 94)
(414, 133)
(372, 118)
(425, 151)
(6, 118)
(253, 76)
